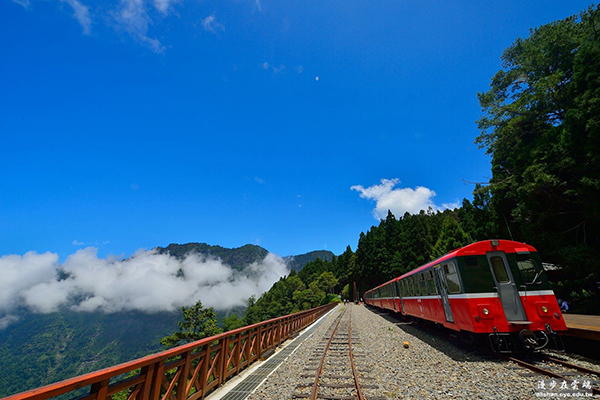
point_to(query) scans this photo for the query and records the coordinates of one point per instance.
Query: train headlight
(544, 309)
(485, 311)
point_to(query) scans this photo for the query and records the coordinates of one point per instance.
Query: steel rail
(315, 388)
(543, 371)
(359, 392)
(574, 366)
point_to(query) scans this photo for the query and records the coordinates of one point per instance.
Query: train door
(506, 286)
(400, 294)
(442, 287)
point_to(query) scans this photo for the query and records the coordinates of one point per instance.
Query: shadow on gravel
(441, 340)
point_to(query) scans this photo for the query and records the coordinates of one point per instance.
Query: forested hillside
(237, 258)
(45, 348)
(297, 262)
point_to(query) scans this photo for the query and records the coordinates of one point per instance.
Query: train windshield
(529, 271)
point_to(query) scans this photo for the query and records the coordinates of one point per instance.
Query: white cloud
(81, 14)
(211, 25)
(164, 5)
(8, 320)
(147, 281)
(23, 3)
(400, 200)
(132, 17)
(280, 69)
(276, 70)
(22, 272)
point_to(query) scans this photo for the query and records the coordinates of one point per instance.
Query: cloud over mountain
(147, 281)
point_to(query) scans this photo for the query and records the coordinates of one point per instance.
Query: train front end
(509, 296)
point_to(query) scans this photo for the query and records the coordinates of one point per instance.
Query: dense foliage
(541, 125)
(294, 293)
(399, 245)
(45, 348)
(198, 322)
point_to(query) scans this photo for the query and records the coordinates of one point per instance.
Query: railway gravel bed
(430, 368)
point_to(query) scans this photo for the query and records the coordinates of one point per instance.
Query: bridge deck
(240, 387)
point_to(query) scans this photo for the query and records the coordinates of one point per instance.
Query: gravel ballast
(431, 367)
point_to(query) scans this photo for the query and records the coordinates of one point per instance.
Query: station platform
(583, 326)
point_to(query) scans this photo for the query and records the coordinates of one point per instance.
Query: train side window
(422, 284)
(411, 285)
(415, 285)
(499, 269)
(452, 278)
(529, 271)
(430, 283)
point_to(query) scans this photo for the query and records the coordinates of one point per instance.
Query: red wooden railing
(187, 372)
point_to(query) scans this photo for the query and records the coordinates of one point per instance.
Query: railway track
(560, 371)
(332, 372)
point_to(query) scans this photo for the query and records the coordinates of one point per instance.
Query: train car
(493, 290)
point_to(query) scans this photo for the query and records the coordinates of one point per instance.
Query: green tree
(198, 323)
(541, 125)
(346, 292)
(451, 236)
(326, 281)
(232, 322)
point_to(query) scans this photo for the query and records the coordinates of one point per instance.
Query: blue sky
(292, 125)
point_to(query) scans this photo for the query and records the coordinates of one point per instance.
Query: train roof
(477, 248)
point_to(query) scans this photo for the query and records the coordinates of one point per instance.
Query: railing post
(156, 380)
(259, 341)
(100, 389)
(148, 373)
(238, 353)
(224, 360)
(184, 375)
(202, 375)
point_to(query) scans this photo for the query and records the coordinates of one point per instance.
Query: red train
(494, 290)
